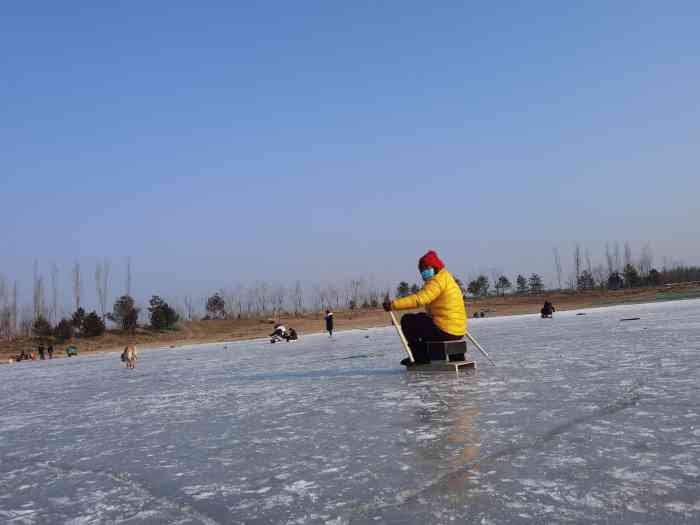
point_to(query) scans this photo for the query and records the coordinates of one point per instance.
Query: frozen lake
(585, 419)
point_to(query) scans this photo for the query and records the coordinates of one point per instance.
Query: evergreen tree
(521, 284)
(503, 284)
(403, 289)
(64, 330)
(42, 328)
(216, 307)
(631, 276)
(93, 325)
(479, 286)
(124, 313)
(535, 283)
(585, 281)
(615, 281)
(162, 315)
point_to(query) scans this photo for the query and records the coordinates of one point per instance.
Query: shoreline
(194, 333)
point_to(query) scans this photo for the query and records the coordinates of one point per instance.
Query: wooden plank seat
(446, 355)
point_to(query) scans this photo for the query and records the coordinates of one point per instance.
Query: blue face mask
(427, 274)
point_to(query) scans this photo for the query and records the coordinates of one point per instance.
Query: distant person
(278, 334)
(291, 335)
(547, 310)
(71, 351)
(40, 349)
(130, 356)
(50, 351)
(445, 319)
(329, 322)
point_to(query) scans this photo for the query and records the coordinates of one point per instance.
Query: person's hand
(387, 306)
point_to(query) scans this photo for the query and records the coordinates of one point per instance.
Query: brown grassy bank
(230, 330)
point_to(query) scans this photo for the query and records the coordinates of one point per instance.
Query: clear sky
(218, 142)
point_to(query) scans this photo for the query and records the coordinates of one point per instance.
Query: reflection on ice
(585, 418)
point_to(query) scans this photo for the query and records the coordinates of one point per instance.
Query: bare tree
(297, 296)
(38, 299)
(277, 295)
(628, 255)
(609, 260)
(13, 309)
(54, 292)
(77, 284)
(589, 266)
(577, 261)
(102, 271)
(128, 276)
(261, 291)
(5, 314)
(616, 257)
(189, 307)
(355, 287)
(317, 297)
(557, 265)
(646, 260)
(599, 275)
(26, 320)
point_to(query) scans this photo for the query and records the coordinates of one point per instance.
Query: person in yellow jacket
(446, 318)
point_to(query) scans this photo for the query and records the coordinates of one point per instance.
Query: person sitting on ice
(445, 319)
(547, 310)
(291, 335)
(279, 333)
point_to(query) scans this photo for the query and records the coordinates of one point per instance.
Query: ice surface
(585, 419)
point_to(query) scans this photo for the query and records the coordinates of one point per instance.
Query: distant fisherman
(446, 318)
(329, 322)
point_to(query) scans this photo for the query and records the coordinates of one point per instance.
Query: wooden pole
(401, 336)
(478, 346)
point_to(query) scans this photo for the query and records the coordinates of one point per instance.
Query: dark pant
(420, 328)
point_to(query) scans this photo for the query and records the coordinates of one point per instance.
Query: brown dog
(130, 356)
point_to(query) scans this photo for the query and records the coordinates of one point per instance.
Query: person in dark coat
(329, 322)
(41, 351)
(547, 310)
(50, 351)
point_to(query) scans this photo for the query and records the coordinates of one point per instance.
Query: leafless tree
(646, 260)
(128, 276)
(102, 270)
(599, 275)
(189, 307)
(38, 298)
(609, 260)
(317, 297)
(277, 295)
(26, 320)
(53, 317)
(557, 265)
(13, 309)
(261, 291)
(297, 296)
(616, 257)
(355, 288)
(628, 254)
(589, 266)
(77, 284)
(5, 315)
(577, 262)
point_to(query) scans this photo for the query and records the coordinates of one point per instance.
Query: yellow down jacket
(443, 301)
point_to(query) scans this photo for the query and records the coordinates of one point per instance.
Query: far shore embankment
(230, 330)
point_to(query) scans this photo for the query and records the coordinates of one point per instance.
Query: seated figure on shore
(547, 310)
(279, 333)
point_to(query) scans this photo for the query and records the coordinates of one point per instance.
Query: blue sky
(225, 143)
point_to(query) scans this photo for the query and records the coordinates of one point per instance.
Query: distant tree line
(45, 317)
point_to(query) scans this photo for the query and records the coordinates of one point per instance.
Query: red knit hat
(431, 259)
